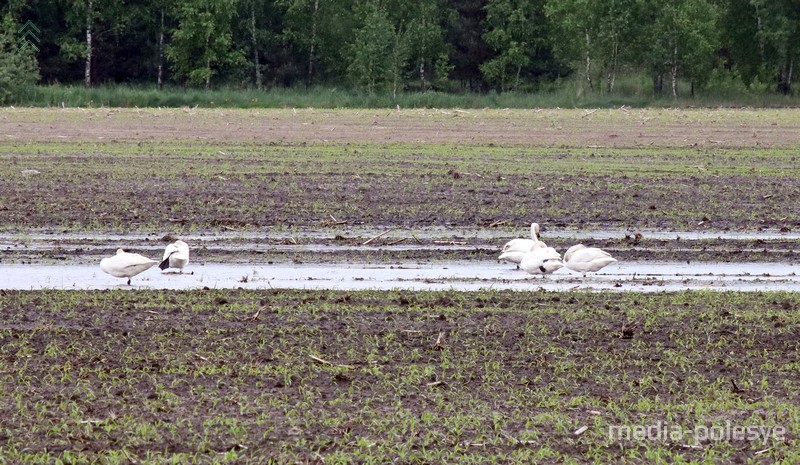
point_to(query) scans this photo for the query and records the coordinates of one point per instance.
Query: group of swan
(535, 257)
(127, 265)
(531, 255)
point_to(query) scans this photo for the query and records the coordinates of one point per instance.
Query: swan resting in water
(126, 265)
(176, 255)
(541, 261)
(586, 259)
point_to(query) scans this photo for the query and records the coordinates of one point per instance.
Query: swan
(525, 245)
(541, 261)
(126, 265)
(176, 255)
(585, 259)
(513, 256)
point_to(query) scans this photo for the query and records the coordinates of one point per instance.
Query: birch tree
(778, 37)
(681, 39)
(575, 28)
(202, 43)
(81, 16)
(515, 30)
(425, 45)
(596, 36)
(374, 53)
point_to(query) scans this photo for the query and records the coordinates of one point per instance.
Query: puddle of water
(622, 276)
(669, 235)
(157, 249)
(427, 233)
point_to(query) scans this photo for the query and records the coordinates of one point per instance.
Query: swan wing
(125, 264)
(588, 254)
(521, 245)
(513, 256)
(589, 259)
(541, 261)
(570, 251)
(169, 250)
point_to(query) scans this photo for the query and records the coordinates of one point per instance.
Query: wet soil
(218, 171)
(401, 246)
(614, 128)
(297, 376)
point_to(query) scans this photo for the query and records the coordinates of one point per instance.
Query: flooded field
(437, 259)
(633, 276)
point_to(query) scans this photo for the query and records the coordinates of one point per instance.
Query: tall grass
(633, 92)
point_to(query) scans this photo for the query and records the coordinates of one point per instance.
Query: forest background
(412, 53)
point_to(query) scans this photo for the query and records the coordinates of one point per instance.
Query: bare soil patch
(624, 127)
(178, 170)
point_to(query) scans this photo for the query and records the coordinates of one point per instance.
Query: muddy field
(178, 171)
(229, 376)
(280, 175)
(254, 375)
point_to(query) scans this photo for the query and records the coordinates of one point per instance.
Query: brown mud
(160, 171)
(296, 376)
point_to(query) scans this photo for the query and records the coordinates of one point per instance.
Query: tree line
(407, 45)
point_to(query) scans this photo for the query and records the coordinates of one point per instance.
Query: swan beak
(164, 264)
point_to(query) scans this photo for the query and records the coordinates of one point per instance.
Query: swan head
(535, 231)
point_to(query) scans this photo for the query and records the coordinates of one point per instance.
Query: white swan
(126, 265)
(524, 245)
(541, 261)
(176, 255)
(513, 250)
(585, 259)
(513, 256)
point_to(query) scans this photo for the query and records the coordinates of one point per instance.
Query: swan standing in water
(525, 245)
(176, 255)
(126, 265)
(514, 249)
(513, 256)
(541, 261)
(586, 259)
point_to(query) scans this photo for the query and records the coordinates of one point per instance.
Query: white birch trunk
(612, 72)
(161, 53)
(208, 62)
(588, 63)
(674, 71)
(87, 73)
(255, 45)
(313, 42)
(424, 50)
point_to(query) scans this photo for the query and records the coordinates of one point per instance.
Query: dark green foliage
(18, 68)
(386, 47)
